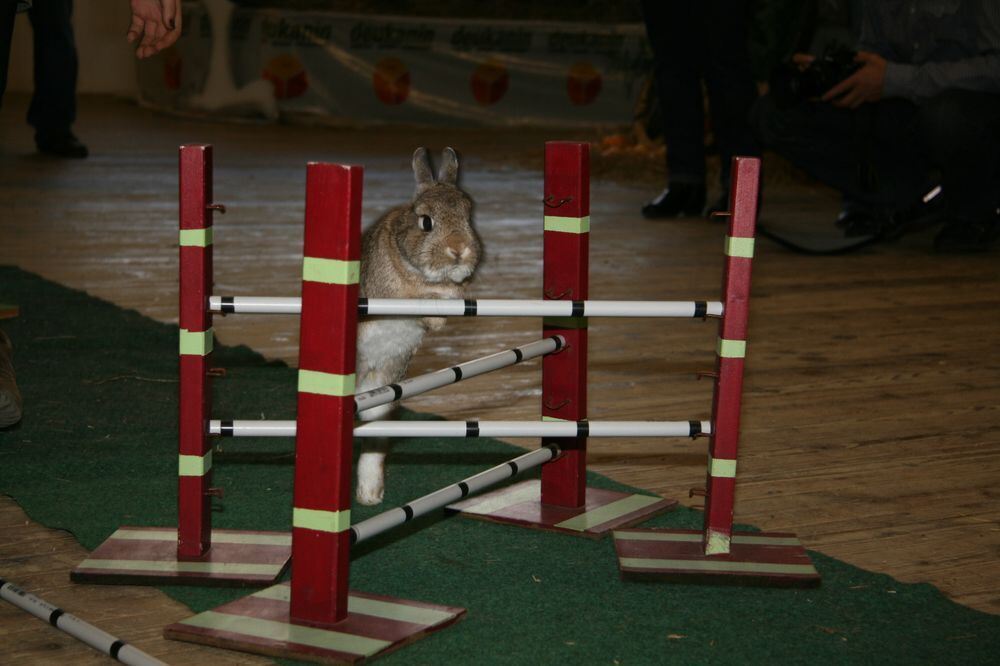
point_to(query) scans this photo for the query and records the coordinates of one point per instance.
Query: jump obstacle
(314, 616)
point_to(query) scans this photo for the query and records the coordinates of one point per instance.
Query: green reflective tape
(565, 322)
(721, 468)
(569, 225)
(196, 237)
(731, 348)
(683, 537)
(174, 566)
(321, 521)
(331, 271)
(285, 632)
(326, 383)
(716, 565)
(388, 610)
(739, 247)
(196, 343)
(553, 418)
(608, 512)
(218, 536)
(194, 465)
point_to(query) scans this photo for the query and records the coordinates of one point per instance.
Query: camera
(791, 86)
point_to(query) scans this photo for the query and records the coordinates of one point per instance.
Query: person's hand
(864, 85)
(155, 25)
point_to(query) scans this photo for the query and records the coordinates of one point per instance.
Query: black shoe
(966, 235)
(679, 200)
(60, 144)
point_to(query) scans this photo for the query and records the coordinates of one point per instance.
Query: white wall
(107, 63)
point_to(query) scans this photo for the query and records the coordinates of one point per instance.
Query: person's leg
(674, 28)
(53, 106)
(960, 131)
(8, 10)
(729, 81)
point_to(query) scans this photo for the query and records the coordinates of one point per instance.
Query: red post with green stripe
(194, 518)
(321, 514)
(730, 355)
(565, 277)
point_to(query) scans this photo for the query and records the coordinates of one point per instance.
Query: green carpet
(96, 450)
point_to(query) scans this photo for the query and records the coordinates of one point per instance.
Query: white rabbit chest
(388, 341)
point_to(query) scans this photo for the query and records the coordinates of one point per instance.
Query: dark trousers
(888, 154)
(695, 41)
(53, 105)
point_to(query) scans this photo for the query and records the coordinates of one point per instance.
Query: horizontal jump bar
(387, 520)
(383, 395)
(483, 307)
(478, 428)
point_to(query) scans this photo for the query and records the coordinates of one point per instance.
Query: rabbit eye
(426, 223)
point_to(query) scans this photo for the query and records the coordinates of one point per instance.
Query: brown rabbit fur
(425, 249)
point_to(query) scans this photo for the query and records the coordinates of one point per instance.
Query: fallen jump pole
(438, 499)
(478, 428)
(483, 307)
(75, 627)
(432, 380)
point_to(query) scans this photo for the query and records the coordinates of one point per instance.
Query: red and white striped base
(759, 558)
(148, 556)
(375, 625)
(604, 510)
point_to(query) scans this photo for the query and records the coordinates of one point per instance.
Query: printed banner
(359, 69)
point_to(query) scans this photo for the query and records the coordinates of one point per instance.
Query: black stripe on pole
(694, 428)
(513, 467)
(464, 487)
(559, 342)
(577, 309)
(362, 306)
(2, 582)
(226, 428)
(408, 512)
(518, 354)
(458, 373)
(470, 307)
(115, 648)
(554, 449)
(472, 428)
(397, 391)
(582, 428)
(700, 308)
(354, 536)
(228, 304)
(54, 617)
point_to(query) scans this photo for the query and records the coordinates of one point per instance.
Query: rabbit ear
(449, 167)
(422, 171)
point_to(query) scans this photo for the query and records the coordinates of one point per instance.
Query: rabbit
(425, 249)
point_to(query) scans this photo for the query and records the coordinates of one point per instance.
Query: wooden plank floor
(872, 408)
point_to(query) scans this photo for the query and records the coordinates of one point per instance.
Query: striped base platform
(604, 510)
(375, 625)
(148, 556)
(756, 558)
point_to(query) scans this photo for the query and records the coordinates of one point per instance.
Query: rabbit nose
(457, 250)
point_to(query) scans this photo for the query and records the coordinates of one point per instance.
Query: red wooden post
(566, 257)
(194, 518)
(731, 352)
(321, 517)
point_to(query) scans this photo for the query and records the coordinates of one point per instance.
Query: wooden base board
(756, 558)
(259, 623)
(604, 510)
(8, 311)
(148, 556)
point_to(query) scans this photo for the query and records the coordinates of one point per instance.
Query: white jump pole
(432, 380)
(478, 428)
(429, 307)
(392, 518)
(75, 627)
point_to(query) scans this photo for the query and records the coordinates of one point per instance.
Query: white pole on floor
(75, 627)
